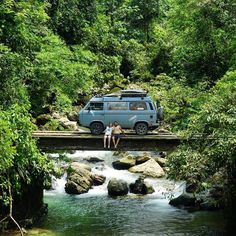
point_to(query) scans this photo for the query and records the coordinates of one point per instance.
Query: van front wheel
(141, 128)
(96, 128)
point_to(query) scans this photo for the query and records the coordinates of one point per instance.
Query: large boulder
(79, 179)
(150, 168)
(210, 199)
(124, 163)
(117, 187)
(78, 184)
(184, 200)
(141, 187)
(76, 167)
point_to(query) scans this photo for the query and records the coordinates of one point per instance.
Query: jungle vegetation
(182, 51)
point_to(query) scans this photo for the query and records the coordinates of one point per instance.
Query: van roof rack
(127, 93)
(133, 93)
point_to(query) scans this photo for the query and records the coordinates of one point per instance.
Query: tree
(70, 18)
(204, 34)
(143, 15)
(214, 149)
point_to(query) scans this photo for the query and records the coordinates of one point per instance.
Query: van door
(94, 111)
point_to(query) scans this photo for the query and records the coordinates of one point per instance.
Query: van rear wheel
(141, 128)
(96, 128)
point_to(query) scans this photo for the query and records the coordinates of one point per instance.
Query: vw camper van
(133, 109)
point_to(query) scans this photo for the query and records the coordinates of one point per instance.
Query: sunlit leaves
(212, 129)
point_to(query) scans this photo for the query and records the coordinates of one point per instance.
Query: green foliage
(70, 18)
(143, 15)
(180, 101)
(204, 36)
(12, 71)
(53, 52)
(20, 162)
(23, 24)
(215, 125)
(52, 124)
(59, 71)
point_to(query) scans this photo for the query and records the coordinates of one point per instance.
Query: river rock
(78, 183)
(186, 200)
(70, 125)
(142, 159)
(43, 119)
(160, 161)
(93, 159)
(150, 168)
(124, 163)
(76, 167)
(117, 187)
(79, 179)
(141, 187)
(98, 180)
(56, 115)
(117, 153)
(67, 124)
(162, 154)
(72, 116)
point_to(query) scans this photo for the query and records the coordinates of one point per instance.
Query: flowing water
(95, 213)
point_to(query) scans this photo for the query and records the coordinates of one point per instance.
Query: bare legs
(115, 142)
(105, 140)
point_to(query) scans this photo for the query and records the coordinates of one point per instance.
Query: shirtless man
(117, 133)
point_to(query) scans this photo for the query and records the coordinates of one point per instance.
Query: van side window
(138, 106)
(117, 106)
(96, 106)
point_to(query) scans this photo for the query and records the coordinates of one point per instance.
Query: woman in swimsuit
(107, 135)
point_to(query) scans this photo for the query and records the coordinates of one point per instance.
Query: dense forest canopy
(182, 51)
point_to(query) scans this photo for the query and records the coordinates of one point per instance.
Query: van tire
(96, 128)
(141, 128)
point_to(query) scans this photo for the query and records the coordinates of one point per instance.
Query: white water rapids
(164, 189)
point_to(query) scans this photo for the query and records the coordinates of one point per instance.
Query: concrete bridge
(78, 140)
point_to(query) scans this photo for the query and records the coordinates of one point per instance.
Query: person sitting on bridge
(107, 135)
(118, 132)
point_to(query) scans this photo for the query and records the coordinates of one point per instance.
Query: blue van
(133, 109)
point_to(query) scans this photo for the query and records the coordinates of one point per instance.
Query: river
(95, 213)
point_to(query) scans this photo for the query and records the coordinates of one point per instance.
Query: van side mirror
(89, 108)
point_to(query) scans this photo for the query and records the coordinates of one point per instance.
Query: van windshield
(95, 106)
